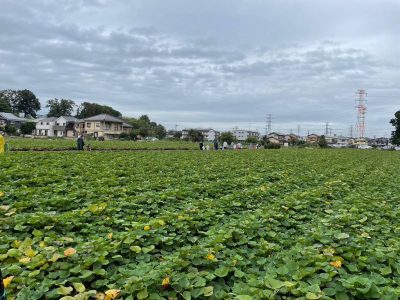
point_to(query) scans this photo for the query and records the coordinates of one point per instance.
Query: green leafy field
(286, 224)
(64, 144)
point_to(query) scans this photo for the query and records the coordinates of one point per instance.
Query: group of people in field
(226, 146)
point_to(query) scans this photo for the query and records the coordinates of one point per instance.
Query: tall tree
(195, 135)
(144, 127)
(6, 99)
(227, 137)
(322, 142)
(87, 110)
(26, 102)
(395, 139)
(62, 107)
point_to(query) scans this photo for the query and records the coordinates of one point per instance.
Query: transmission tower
(326, 128)
(351, 131)
(361, 108)
(268, 124)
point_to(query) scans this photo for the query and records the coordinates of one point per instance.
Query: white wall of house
(242, 135)
(45, 128)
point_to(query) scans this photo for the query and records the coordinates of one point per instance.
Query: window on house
(47, 123)
(116, 127)
(88, 125)
(97, 124)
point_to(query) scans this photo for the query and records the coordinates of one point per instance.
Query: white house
(209, 134)
(45, 127)
(242, 135)
(66, 126)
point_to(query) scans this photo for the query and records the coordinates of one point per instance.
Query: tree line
(25, 102)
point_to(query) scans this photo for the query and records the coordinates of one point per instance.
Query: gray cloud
(219, 64)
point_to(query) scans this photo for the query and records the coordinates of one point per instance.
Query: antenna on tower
(361, 109)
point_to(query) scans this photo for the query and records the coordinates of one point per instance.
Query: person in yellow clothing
(2, 143)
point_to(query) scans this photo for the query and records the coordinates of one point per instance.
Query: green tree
(28, 127)
(86, 110)
(395, 138)
(5, 103)
(26, 102)
(159, 131)
(227, 137)
(178, 135)
(322, 142)
(10, 129)
(195, 135)
(251, 140)
(144, 127)
(62, 107)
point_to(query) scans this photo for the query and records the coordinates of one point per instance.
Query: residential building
(312, 138)
(57, 127)
(11, 120)
(46, 127)
(66, 126)
(103, 126)
(277, 138)
(242, 135)
(209, 134)
(173, 133)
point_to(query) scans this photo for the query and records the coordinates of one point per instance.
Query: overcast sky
(214, 63)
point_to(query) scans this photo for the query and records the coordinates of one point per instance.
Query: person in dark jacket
(201, 146)
(80, 142)
(216, 145)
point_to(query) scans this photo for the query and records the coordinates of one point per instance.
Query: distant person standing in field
(201, 146)
(215, 145)
(80, 143)
(225, 145)
(2, 142)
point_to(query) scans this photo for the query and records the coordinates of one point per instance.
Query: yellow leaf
(165, 281)
(110, 235)
(146, 228)
(210, 256)
(25, 260)
(7, 281)
(336, 264)
(365, 235)
(69, 252)
(100, 296)
(42, 244)
(112, 294)
(1, 194)
(30, 252)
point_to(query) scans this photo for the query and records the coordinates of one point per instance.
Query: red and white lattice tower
(361, 108)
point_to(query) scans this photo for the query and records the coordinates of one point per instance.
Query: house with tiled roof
(11, 120)
(103, 126)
